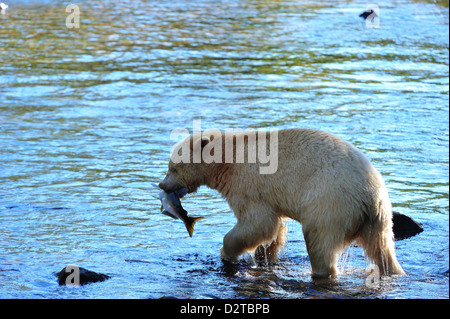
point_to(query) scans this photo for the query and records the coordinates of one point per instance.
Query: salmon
(171, 206)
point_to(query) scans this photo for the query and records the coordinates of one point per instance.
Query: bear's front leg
(269, 252)
(256, 226)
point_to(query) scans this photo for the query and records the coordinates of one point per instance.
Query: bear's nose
(162, 186)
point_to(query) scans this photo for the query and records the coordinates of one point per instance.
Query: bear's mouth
(181, 192)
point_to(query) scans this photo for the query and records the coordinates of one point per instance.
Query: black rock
(74, 275)
(405, 226)
(366, 13)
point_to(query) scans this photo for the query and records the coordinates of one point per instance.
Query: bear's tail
(377, 239)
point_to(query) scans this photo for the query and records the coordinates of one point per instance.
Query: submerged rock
(405, 226)
(73, 276)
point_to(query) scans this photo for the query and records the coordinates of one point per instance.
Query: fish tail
(190, 224)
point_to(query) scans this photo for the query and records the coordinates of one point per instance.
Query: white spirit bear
(319, 180)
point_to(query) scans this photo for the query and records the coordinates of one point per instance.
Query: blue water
(86, 116)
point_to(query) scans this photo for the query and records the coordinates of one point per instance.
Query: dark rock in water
(366, 13)
(73, 276)
(405, 226)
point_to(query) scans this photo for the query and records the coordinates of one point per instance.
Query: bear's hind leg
(257, 226)
(377, 240)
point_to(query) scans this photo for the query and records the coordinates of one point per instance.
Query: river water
(86, 115)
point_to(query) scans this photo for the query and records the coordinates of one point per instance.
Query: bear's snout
(163, 185)
(170, 184)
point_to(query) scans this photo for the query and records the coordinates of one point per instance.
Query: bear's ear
(203, 142)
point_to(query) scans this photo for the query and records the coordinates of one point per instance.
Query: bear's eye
(174, 170)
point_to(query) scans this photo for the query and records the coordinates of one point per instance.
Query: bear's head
(187, 170)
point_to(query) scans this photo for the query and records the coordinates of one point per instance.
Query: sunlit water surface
(86, 116)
